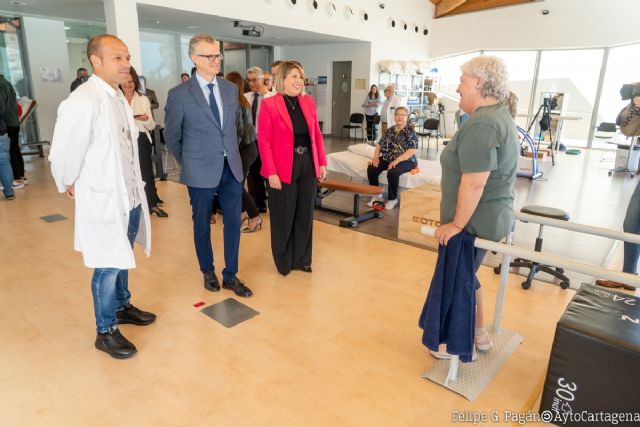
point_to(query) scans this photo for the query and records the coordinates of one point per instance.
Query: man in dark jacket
(9, 99)
(82, 75)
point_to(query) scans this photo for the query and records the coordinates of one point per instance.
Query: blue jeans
(632, 225)
(6, 173)
(110, 286)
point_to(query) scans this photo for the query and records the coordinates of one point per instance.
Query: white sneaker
(390, 204)
(25, 181)
(443, 355)
(483, 340)
(373, 200)
(18, 184)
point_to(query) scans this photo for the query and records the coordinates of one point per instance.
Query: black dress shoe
(159, 212)
(134, 316)
(211, 282)
(237, 286)
(306, 269)
(114, 344)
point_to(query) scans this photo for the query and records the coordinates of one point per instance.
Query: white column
(121, 17)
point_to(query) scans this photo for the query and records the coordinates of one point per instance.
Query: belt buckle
(300, 149)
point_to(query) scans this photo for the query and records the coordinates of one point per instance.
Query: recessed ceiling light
(67, 28)
(193, 27)
(17, 3)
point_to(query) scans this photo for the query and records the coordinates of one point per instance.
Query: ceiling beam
(444, 7)
(478, 5)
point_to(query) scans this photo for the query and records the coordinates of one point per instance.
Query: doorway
(340, 96)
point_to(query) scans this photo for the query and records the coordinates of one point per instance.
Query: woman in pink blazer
(293, 160)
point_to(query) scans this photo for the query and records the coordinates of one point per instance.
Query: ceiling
(89, 18)
(454, 7)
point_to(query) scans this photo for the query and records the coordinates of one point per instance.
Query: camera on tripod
(630, 91)
(550, 103)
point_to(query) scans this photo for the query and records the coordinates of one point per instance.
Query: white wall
(46, 45)
(317, 60)
(570, 23)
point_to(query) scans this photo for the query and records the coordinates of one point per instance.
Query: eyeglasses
(212, 58)
(254, 79)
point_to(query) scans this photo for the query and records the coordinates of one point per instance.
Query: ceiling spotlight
(364, 15)
(405, 26)
(545, 11)
(392, 23)
(314, 4)
(425, 31)
(416, 29)
(348, 12)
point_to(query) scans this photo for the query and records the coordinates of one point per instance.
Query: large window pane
(622, 67)
(573, 75)
(449, 72)
(235, 57)
(521, 67)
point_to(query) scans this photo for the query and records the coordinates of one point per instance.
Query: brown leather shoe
(608, 283)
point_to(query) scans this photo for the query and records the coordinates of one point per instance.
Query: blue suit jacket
(196, 139)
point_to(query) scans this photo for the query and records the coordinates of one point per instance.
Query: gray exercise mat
(53, 218)
(229, 312)
(475, 376)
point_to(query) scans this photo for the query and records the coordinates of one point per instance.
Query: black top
(301, 137)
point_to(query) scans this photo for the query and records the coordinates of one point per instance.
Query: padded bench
(352, 219)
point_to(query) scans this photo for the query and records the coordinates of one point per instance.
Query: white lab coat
(389, 112)
(85, 151)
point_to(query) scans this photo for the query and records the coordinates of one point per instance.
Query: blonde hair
(493, 73)
(284, 69)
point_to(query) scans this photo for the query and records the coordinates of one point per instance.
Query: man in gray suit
(200, 132)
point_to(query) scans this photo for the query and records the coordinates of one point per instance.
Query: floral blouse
(393, 145)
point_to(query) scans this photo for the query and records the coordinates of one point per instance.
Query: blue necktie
(213, 104)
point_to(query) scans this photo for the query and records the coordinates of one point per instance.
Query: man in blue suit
(200, 132)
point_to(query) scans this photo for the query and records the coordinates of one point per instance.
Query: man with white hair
(256, 182)
(388, 108)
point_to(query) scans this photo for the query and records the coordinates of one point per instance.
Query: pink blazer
(275, 136)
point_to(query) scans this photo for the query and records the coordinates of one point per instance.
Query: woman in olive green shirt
(479, 167)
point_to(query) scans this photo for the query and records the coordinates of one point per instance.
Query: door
(340, 96)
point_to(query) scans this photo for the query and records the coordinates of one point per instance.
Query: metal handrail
(581, 228)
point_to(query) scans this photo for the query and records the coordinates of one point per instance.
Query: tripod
(546, 117)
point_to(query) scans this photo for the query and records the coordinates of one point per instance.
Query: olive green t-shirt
(487, 141)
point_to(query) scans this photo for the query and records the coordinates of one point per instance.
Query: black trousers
(393, 175)
(291, 215)
(145, 153)
(17, 162)
(257, 184)
(248, 155)
(372, 132)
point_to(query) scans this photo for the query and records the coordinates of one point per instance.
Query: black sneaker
(114, 344)
(134, 316)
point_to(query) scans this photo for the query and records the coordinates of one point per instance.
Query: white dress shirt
(216, 92)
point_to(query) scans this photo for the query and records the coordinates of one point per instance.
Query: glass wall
(623, 66)
(235, 57)
(572, 77)
(449, 72)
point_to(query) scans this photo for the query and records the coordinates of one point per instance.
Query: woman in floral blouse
(396, 154)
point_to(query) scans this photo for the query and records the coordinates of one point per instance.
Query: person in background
(248, 152)
(293, 160)
(371, 109)
(479, 170)
(6, 174)
(82, 75)
(193, 71)
(396, 154)
(184, 77)
(200, 132)
(94, 160)
(268, 81)
(12, 121)
(274, 72)
(512, 104)
(255, 182)
(144, 121)
(389, 105)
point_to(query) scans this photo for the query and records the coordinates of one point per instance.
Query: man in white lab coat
(387, 112)
(94, 160)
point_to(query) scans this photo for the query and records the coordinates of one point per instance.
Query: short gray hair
(198, 38)
(493, 73)
(257, 71)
